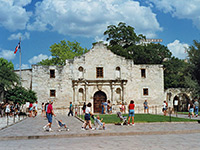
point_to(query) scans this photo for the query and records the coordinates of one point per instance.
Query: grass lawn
(145, 118)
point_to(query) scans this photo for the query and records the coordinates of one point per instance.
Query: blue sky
(41, 23)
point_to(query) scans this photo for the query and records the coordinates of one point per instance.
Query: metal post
(7, 120)
(20, 59)
(170, 117)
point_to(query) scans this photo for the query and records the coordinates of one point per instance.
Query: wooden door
(99, 97)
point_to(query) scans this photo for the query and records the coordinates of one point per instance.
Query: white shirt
(164, 105)
(87, 110)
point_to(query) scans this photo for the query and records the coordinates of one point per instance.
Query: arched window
(80, 75)
(118, 72)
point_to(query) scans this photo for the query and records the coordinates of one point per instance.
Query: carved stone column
(111, 91)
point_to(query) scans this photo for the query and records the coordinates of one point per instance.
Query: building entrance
(99, 98)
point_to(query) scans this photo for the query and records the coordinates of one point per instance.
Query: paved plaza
(29, 134)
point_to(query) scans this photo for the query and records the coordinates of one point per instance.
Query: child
(99, 122)
(61, 125)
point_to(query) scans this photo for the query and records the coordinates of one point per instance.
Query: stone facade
(94, 77)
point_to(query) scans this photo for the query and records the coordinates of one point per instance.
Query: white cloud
(91, 18)
(7, 54)
(184, 9)
(178, 49)
(13, 15)
(38, 58)
(23, 66)
(24, 36)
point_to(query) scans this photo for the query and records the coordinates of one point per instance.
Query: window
(99, 72)
(145, 91)
(143, 73)
(52, 93)
(117, 72)
(80, 69)
(52, 73)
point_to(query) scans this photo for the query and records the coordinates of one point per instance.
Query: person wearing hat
(50, 112)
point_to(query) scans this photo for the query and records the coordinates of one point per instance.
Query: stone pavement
(31, 128)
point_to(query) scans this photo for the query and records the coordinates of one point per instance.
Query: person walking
(146, 107)
(35, 106)
(50, 114)
(87, 121)
(190, 109)
(196, 107)
(164, 108)
(70, 109)
(43, 110)
(131, 112)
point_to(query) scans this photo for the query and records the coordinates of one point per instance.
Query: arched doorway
(183, 101)
(99, 97)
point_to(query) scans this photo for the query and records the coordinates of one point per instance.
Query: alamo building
(95, 77)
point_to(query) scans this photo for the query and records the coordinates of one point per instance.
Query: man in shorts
(50, 112)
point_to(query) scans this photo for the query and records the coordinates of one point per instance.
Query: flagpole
(20, 57)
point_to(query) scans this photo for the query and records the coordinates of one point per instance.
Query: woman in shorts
(131, 114)
(87, 117)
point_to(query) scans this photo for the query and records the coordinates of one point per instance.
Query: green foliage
(5, 63)
(122, 35)
(62, 51)
(175, 73)
(8, 78)
(21, 95)
(194, 61)
(124, 42)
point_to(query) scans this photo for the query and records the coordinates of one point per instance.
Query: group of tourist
(106, 107)
(9, 109)
(33, 109)
(193, 108)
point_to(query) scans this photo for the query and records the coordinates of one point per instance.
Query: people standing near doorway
(50, 114)
(196, 107)
(87, 121)
(102, 107)
(109, 107)
(70, 109)
(190, 109)
(105, 104)
(131, 111)
(146, 107)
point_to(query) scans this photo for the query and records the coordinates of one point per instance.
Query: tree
(8, 78)
(176, 75)
(122, 35)
(125, 42)
(62, 51)
(194, 61)
(20, 95)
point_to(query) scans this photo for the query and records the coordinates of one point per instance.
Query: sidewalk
(31, 128)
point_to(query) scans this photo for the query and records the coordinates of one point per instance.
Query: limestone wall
(77, 81)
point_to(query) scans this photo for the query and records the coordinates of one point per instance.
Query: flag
(17, 47)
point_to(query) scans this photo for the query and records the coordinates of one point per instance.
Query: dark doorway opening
(99, 98)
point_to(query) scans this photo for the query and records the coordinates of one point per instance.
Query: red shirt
(49, 109)
(131, 106)
(30, 105)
